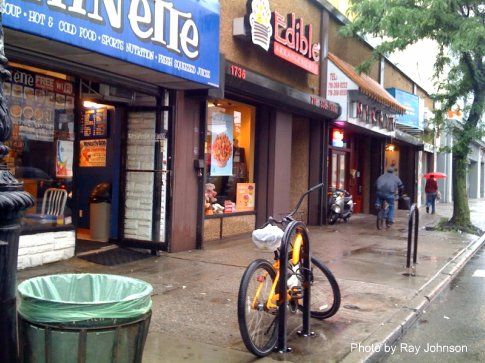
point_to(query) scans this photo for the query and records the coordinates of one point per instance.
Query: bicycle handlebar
(271, 220)
(318, 186)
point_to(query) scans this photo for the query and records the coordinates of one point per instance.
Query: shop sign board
(221, 126)
(411, 103)
(92, 153)
(290, 38)
(284, 92)
(338, 86)
(338, 138)
(178, 37)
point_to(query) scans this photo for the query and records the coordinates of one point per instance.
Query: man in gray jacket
(387, 185)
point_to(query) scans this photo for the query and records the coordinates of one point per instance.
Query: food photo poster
(221, 144)
(245, 193)
(64, 159)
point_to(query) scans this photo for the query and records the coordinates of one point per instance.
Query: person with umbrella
(431, 190)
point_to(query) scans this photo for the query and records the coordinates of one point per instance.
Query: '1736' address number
(238, 72)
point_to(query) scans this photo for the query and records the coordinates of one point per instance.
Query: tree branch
(467, 59)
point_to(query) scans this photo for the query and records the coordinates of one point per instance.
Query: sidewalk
(195, 292)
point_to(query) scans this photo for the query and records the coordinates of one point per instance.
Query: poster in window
(245, 196)
(95, 123)
(92, 153)
(64, 158)
(33, 103)
(221, 144)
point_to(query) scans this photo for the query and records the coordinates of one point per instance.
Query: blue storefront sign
(411, 103)
(179, 37)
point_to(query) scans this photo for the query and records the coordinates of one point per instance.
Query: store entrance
(145, 177)
(338, 169)
(97, 175)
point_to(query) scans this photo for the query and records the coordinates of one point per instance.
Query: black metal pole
(306, 284)
(410, 235)
(281, 346)
(13, 200)
(416, 230)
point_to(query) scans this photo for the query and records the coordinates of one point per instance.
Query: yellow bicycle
(259, 292)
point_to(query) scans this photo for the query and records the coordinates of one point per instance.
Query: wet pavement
(452, 329)
(195, 292)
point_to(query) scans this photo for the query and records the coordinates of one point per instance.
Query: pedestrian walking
(431, 190)
(387, 185)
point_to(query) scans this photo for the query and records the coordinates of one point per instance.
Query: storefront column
(318, 171)
(279, 166)
(184, 181)
(479, 173)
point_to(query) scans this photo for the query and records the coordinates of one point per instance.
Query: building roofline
(336, 14)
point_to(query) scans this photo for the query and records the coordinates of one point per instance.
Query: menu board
(92, 153)
(95, 123)
(33, 100)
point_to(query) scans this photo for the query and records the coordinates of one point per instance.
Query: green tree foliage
(458, 29)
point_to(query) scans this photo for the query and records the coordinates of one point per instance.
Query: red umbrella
(435, 175)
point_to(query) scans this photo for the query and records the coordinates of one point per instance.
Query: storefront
(272, 112)
(362, 141)
(475, 174)
(105, 93)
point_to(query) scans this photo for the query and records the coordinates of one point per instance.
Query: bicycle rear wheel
(325, 292)
(257, 324)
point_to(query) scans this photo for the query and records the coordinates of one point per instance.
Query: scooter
(340, 206)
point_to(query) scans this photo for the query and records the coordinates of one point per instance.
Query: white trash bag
(268, 238)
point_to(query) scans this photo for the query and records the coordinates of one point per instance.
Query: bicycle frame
(294, 250)
(274, 298)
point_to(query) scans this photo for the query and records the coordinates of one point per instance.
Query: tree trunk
(461, 211)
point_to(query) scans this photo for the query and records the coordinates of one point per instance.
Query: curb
(395, 327)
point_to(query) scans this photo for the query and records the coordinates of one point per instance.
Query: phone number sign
(179, 37)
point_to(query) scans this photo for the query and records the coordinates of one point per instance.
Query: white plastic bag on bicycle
(268, 238)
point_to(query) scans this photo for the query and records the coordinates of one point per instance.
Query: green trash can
(79, 318)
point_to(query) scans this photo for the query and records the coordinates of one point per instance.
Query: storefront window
(41, 106)
(229, 150)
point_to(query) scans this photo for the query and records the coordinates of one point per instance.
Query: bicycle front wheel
(325, 292)
(257, 323)
(380, 219)
(380, 222)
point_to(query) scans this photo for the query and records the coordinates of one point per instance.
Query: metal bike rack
(413, 221)
(282, 346)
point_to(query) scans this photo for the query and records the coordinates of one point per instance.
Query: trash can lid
(77, 297)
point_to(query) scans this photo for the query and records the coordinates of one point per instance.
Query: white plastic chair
(54, 202)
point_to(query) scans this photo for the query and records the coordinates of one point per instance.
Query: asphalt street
(453, 327)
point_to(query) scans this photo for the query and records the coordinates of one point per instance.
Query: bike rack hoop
(282, 310)
(413, 226)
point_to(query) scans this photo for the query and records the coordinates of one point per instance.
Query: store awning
(367, 85)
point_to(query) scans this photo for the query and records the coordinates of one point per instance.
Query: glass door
(338, 169)
(146, 169)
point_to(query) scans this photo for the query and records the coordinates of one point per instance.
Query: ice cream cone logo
(260, 20)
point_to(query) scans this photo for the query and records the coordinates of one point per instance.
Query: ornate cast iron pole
(13, 200)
